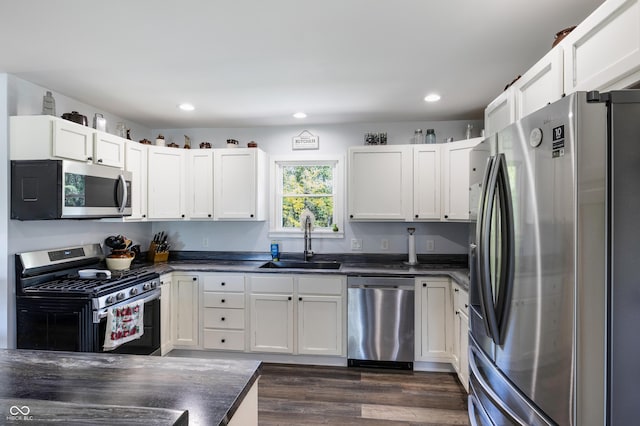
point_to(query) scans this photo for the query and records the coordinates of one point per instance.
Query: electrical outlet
(384, 244)
(430, 245)
(205, 242)
(356, 245)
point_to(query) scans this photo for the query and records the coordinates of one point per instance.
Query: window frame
(275, 221)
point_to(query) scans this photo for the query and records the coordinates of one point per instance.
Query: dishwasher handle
(391, 283)
(405, 287)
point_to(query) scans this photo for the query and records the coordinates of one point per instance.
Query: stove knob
(146, 286)
(109, 300)
(133, 292)
(119, 296)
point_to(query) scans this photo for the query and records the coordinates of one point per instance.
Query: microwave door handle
(125, 194)
(505, 291)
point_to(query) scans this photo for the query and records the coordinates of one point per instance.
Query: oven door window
(148, 343)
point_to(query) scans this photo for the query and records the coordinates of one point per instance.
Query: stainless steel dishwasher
(380, 320)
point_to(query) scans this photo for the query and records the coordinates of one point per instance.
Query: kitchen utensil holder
(154, 257)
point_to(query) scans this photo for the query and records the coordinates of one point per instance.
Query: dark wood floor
(311, 395)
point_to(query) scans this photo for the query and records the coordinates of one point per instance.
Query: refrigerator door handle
(473, 353)
(505, 285)
(473, 407)
(484, 242)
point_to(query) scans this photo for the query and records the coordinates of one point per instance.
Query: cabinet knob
(299, 298)
(290, 298)
(222, 283)
(222, 319)
(209, 215)
(222, 301)
(89, 158)
(416, 216)
(424, 284)
(222, 340)
(144, 215)
(456, 290)
(251, 215)
(457, 312)
(466, 306)
(351, 216)
(446, 216)
(99, 160)
(195, 278)
(183, 216)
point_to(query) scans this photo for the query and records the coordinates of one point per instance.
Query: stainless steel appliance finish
(554, 295)
(380, 321)
(60, 189)
(60, 309)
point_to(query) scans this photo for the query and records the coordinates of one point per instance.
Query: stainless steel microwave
(60, 189)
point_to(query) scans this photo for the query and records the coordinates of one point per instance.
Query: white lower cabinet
(185, 309)
(224, 314)
(166, 329)
(433, 310)
(460, 358)
(297, 314)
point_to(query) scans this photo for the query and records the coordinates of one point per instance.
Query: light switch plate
(356, 244)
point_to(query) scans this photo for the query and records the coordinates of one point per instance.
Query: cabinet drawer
(320, 285)
(232, 340)
(272, 284)
(224, 318)
(223, 300)
(223, 282)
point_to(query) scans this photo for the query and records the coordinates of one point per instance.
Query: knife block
(154, 257)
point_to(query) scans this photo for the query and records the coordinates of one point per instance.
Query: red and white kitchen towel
(124, 324)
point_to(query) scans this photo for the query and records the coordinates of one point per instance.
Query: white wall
(334, 140)
(20, 97)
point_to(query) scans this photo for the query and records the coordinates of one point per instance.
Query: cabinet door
(456, 179)
(380, 183)
(186, 310)
(463, 371)
(500, 112)
(320, 325)
(433, 315)
(72, 141)
(108, 150)
(166, 338)
(426, 182)
(603, 52)
(271, 322)
(136, 163)
(200, 188)
(541, 84)
(166, 183)
(235, 183)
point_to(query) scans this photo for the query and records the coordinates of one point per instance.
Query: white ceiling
(256, 62)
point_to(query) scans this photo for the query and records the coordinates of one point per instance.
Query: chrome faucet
(307, 239)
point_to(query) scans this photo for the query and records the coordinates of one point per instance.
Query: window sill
(299, 234)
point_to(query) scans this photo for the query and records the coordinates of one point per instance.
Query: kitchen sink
(299, 264)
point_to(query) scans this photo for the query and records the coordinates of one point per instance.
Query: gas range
(73, 283)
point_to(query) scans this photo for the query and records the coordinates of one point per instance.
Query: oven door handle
(144, 298)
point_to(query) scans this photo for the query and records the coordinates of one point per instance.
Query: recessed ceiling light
(433, 97)
(186, 107)
(300, 115)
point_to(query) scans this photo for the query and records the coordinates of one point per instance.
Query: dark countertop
(93, 388)
(453, 266)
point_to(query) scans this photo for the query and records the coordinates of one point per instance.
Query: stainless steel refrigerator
(555, 266)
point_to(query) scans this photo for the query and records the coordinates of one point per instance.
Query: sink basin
(299, 264)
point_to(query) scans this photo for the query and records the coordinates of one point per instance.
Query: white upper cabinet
(603, 52)
(108, 149)
(166, 186)
(500, 112)
(426, 182)
(136, 163)
(381, 183)
(455, 188)
(541, 84)
(240, 184)
(41, 137)
(200, 183)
